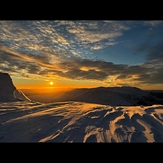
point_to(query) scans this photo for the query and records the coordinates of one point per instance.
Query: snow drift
(79, 122)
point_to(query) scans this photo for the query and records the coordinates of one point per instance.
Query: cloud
(155, 52)
(97, 47)
(96, 31)
(32, 66)
(103, 45)
(151, 47)
(151, 51)
(123, 76)
(147, 73)
(147, 23)
(10, 55)
(31, 36)
(153, 23)
(73, 38)
(32, 69)
(62, 40)
(78, 37)
(92, 35)
(78, 74)
(21, 62)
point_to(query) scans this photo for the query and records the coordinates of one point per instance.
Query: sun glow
(51, 83)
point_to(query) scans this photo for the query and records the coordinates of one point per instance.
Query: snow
(19, 95)
(25, 121)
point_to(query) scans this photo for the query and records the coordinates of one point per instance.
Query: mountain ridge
(112, 96)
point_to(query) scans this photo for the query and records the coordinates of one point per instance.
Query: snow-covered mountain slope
(79, 122)
(18, 94)
(8, 91)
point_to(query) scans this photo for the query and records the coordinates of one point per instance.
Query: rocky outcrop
(8, 91)
(6, 88)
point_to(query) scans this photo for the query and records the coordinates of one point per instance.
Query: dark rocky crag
(6, 88)
(8, 92)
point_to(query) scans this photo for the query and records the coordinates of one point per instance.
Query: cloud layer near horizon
(27, 65)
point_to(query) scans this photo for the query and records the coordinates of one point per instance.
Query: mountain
(112, 96)
(8, 92)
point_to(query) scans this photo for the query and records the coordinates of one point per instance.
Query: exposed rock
(6, 88)
(8, 91)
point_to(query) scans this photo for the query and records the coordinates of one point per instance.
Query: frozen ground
(79, 122)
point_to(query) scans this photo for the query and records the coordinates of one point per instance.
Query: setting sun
(51, 83)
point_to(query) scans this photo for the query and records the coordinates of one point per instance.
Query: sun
(51, 83)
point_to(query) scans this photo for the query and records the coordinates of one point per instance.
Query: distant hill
(112, 96)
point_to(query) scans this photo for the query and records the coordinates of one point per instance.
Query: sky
(82, 53)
